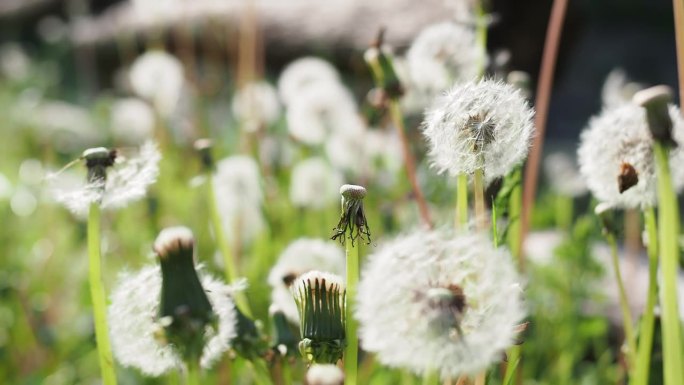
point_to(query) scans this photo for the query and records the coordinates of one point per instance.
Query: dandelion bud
(320, 299)
(203, 147)
(284, 339)
(655, 100)
(606, 214)
(353, 221)
(324, 374)
(184, 308)
(249, 342)
(97, 160)
(378, 57)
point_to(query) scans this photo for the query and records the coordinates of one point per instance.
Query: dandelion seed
(256, 105)
(302, 256)
(485, 124)
(132, 121)
(158, 77)
(314, 184)
(435, 301)
(615, 154)
(115, 183)
(303, 73)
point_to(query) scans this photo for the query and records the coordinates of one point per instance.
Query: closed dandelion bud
(379, 58)
(284, 339)
(324, 374)
(320, 298)
(353, 223)
(184, 310)
(655, 100)
(249, 342)
(97, 161)
(203, 147)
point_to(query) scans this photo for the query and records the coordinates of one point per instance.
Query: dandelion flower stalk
(655, 101)
(204, 146)
(462, 201)
(97, 160)
(643, 360)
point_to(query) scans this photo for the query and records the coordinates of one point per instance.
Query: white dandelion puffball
(132, 121)
(563, 175)
(314, 184)
(302, 256)
(324, 374)
(158, 77)
(485, 124)
(347, 152)
(127, 181)
(444, 54)
(134, 325)
(617, 89)
(256, 105)
(619, 139)
(322, 109)
(303, 73)
(14, 63)
(437, 301)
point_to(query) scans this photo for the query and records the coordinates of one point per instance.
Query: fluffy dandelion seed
(132, 121)
(302, 256)
(256, 105)
(616, 156)
(435, 301)
(485, 124)
(112, 181)
(322, 109)
(314, 184)
(353, 223)
(320, 298)
(324, 374)
(158, 77)
(303, 73)
(563, 175)
(444, 54)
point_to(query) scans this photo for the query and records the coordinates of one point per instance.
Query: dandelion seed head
(14, 63)
(314, 184)
(563, 175)
(618, 140)
(324, 374)
(158, 77)
(256, 105)
(135, 326)
(444, 54)
(438, 301)
(302, 256)
(238, 181)
(303, 73)
(485, 124)
(132, 121)
(347, 152)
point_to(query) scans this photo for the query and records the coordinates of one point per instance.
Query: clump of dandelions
(314, 184)
(483, 124)
(324, 374)
(439, 302)
(302, 74)
(256, 105)
(136, 314)
(113, 181)
(158, 77)
(300, 257)
(616, 156)
(444, 54)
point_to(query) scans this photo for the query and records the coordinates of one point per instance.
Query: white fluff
(132, 121)
(256, 105)
(314, 184)
(563, 175)
(303, 73)
(400, 322)
(324, 374)
(158, 77)
(617, 89)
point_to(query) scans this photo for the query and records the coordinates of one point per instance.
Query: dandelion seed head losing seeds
(444, 54)
(324, 374)
(314, 184)
(484, 124)
(617, 89)
(563, 175)
(136, 329)
(615, 154)
(322, 109)
(353, 223)
(303, 73)
(158, 77)
(126, 181)
(438, 301)
(302, 256)
(132, 121)
(256, 105)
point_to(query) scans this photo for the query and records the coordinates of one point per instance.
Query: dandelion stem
(409, 161)
(98, 297)
(462, 201)
(624, 304)
(514, 239)
(286, 371)
(351, 350)
(643, 362)
(193, 373)
(548, 65)
(668, 234)
(262, 376)
(481, 378)
(678, 6)
(229, 263)
(431, 377)
(478, 194)
(564, 211)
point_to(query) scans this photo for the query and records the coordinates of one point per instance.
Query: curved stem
(624, 304)
(351, 350)
(98, 297)
(643, 361)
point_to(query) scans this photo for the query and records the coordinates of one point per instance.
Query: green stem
(564, 209)
(431, 377)
(262, 376)
(624, 304)
(512, 365)
(668, 234)
(229, 264)
(462, 201)
(513, 238)
(643, 362)
(286, 371)
(478, 194)
(193, 373)
(98, 297)
(351, 350)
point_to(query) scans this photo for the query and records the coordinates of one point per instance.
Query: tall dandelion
(439, 303)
